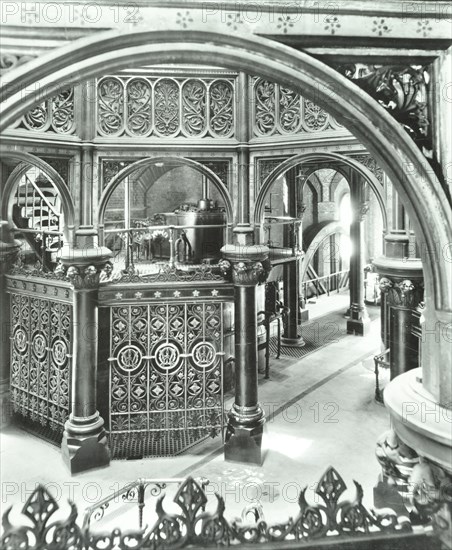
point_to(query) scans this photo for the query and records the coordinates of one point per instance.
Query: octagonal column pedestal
(9, 248)
(248, 265)
(422, 424)
(84, 444)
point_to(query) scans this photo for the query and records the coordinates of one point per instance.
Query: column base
(293, 342)
(303, 316)
(5, 405)
(244, 432)
(358, 322)
(85, 444)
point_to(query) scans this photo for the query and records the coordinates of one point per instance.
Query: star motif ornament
(138, 295)
(214, 292)
(118, 295)
(195, 293)
(176, 294)
(157, 294)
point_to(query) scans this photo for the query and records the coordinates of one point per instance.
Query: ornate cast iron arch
(149, 161)
(325, 231)
(108, 51)
(27, 161)
(311, 157)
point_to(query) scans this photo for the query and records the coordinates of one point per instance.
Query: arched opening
(36, 201)
(164, 208)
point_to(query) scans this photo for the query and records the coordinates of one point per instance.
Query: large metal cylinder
(206, 242)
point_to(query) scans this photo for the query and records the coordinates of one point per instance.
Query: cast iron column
(250, 266)
(84, 444)
(359, 322)
(291, 269)
(9, 248)
(401, 297)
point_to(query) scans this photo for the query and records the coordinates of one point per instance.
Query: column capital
(245, 265)
(83, 267)
(402, 292)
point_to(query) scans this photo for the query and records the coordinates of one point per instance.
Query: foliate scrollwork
(315, 118)
(194, 111)
(370, 163)
(83, 277)
(166, 107)
(265, 107)
(402, 292)
(289, 110)
(39, 509)
(250, 273)
(112, 167)
(110, 106)
(139, 107)
(331, 518)
(38, 118)
(9, 61)
(401, 90)
(221, 108)
(63, 111)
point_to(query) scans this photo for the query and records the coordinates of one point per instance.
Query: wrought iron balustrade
(333, 282)
(332, 522)
(141, 245)
(136, 492)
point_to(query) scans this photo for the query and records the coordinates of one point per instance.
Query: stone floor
(320, 410)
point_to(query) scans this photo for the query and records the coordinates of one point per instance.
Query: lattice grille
(166, 371)
(40, 359)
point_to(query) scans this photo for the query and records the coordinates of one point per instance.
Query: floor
(320, 411)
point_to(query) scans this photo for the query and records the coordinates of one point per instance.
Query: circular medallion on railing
(20, 340)
(59, 352)
(130, 357)
(204, 355)
(39, 345)
(167, 356)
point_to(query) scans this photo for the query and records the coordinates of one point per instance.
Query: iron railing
(332, 282)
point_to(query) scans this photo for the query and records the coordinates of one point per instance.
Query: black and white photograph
(226, 274)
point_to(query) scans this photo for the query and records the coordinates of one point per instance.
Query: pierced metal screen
(40, 359)
(166, 377)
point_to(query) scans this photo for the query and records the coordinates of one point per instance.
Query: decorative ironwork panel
(265, 107)
(315, 118)
(280, 110)
(41, 359)
(166, 369)
(194, 99)
(221, 108)
(63, 112)
(139, 107)
(38, 118)
(56, 114)
(289, 110)
(110, 106)
(166, 107)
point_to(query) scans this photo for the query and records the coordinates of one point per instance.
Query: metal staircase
(37, 213)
